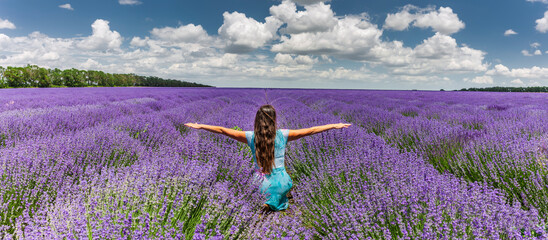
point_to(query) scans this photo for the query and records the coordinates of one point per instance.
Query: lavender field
(117, 163)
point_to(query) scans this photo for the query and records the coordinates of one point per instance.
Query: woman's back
(276, 184)
(279, 146)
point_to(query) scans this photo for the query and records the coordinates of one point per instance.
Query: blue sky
(290, 44)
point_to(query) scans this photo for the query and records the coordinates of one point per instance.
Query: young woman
(267, 145)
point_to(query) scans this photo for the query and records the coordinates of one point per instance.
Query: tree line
(508, 89)
(34, 76)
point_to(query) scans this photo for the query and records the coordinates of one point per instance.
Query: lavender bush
(117, 163)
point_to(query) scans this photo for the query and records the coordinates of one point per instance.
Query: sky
(342, 44)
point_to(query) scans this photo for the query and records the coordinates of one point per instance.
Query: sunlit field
(118, 163)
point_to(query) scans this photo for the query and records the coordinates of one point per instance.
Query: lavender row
(140, 176)
(354, 185)
(500, 145)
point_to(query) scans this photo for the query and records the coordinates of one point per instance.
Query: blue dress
(276, 184)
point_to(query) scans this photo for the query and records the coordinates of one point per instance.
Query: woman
(267, 145)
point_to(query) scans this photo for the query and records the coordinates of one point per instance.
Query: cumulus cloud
(102, 39)
(352, 38)
(542, 1)
(40, 49)
(185, 33)
(526, 53)
(436, 47)
(139, 42)
(442, 20)
(535, 45)
(245, 34)
(537, 52)
(36, 48)
(441, 53)
(542, 23)
(309, 2)
(129, 2)
(316, 18)
(533, 72)
(225, 61)
(66, 6)
(6, 24)
(355, 38)
(91, 64)
(400, 21)
(287, 59)
(480, 80)
(509, 32)
(517, 81)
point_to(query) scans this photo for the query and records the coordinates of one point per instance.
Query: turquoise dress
(276, 184)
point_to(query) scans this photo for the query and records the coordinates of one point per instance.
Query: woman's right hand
(341, 125)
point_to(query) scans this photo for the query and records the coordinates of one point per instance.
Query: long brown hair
(265, 134)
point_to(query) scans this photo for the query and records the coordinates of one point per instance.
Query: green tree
(3, 80)
(56, 77)
(43, 77)
(14, 76)
(69, 78)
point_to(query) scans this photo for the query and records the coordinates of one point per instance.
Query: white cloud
(225, 61)
(400, 21)
(91, 64)
(309, 2)
(102, 39)
(36, 48)
(6, 24)
(442, 20)
(509, 32)
(537, 52)
(542, 23)
(245, 34)
(530, 73)
(355, 38)
(185, 33)
(287, 59)
(517, 81)
(437, 54)
(535, 45)
(50, 56)
(351, 38)
(542, 1)
(129, 2)
(441, 53)
(150, 55)
(526, 53)
(316, 18)
(436, 47)
(66, 6)
(139, 42)
(480, 80)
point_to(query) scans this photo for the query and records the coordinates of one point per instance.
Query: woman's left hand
(194, 125)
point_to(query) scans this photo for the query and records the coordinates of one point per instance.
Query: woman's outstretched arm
(235, 134)
(299, 133)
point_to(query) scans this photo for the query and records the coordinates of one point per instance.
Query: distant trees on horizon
(35, 76)
(508, 89)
